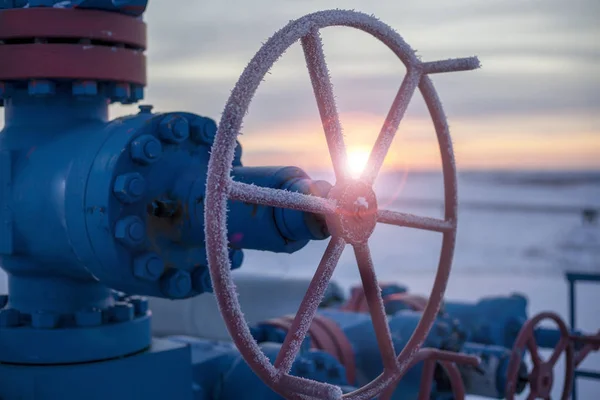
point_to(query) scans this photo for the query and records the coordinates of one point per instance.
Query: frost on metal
(250, 193)
(220, 186)
(361, 202)
(413, 221)
(310, 304)
(323, 88)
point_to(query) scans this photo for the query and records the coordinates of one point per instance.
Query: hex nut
(41, 88)
(201, 281)
(130, 231)
(174, 129)
(85, 88)
(203, 130)
(149, 267)
(146, 149)
(86, 318)
(129, 187)
(140, 304)
(122, 312)
(44, 320)
(236, 257)
(176, 283)
(9, 318)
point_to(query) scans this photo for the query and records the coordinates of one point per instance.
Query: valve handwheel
(350, 210)
(541, 378)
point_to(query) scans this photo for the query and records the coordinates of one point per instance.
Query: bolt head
(130, 231)
(5, 89)
(174, 129)
(41, 88)
(121, 91)
(201, 281)
(149, 267)
(236, 257)
(203, 130)
(129, 188)
(146, 150)
(176, 283)
(137, 93)
(44, 320)
(85, 88)
(87, 318)
(122, 312)
(304, 368)
(9, 318)
(140, 304)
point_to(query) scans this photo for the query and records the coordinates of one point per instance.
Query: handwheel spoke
(414, 221)
(310, 389)
(280, 198)
(321, 82)
(533, 351)
(308, 307)
(376, 307)
(560, 347)
(532, 395)
(451, 65)
(391, 124)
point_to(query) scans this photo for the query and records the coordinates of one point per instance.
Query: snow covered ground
(502, 246)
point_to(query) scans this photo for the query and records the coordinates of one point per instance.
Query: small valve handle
(541, 378)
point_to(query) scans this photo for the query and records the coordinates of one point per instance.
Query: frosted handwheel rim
(220, 188)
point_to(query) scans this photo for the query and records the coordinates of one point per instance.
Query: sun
(357, 161)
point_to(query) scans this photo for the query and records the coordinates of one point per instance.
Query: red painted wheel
(448, 360)
(541, 378)
(350, 210)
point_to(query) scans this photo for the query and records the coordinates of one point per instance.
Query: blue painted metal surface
(162, 372)
(117, 205)
(219, 372)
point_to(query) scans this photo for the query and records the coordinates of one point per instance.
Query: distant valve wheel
(541, 378)
(350, 211)
(448, 360)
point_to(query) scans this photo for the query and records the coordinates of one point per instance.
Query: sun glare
(357, 161)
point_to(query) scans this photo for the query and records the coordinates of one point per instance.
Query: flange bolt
(140, 304)
(85, 318)
(176, 283)
(203, 130)
(9, 318)
(130, 187)
(201, 281)
(44, 320)
(130, 231)
(174, 129)
(146, 149)
(148, 267)
(122, 312)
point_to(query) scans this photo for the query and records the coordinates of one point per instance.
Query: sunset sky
(535, 103)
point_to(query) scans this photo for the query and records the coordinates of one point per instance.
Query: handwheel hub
(356, 215)
(542, 378)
